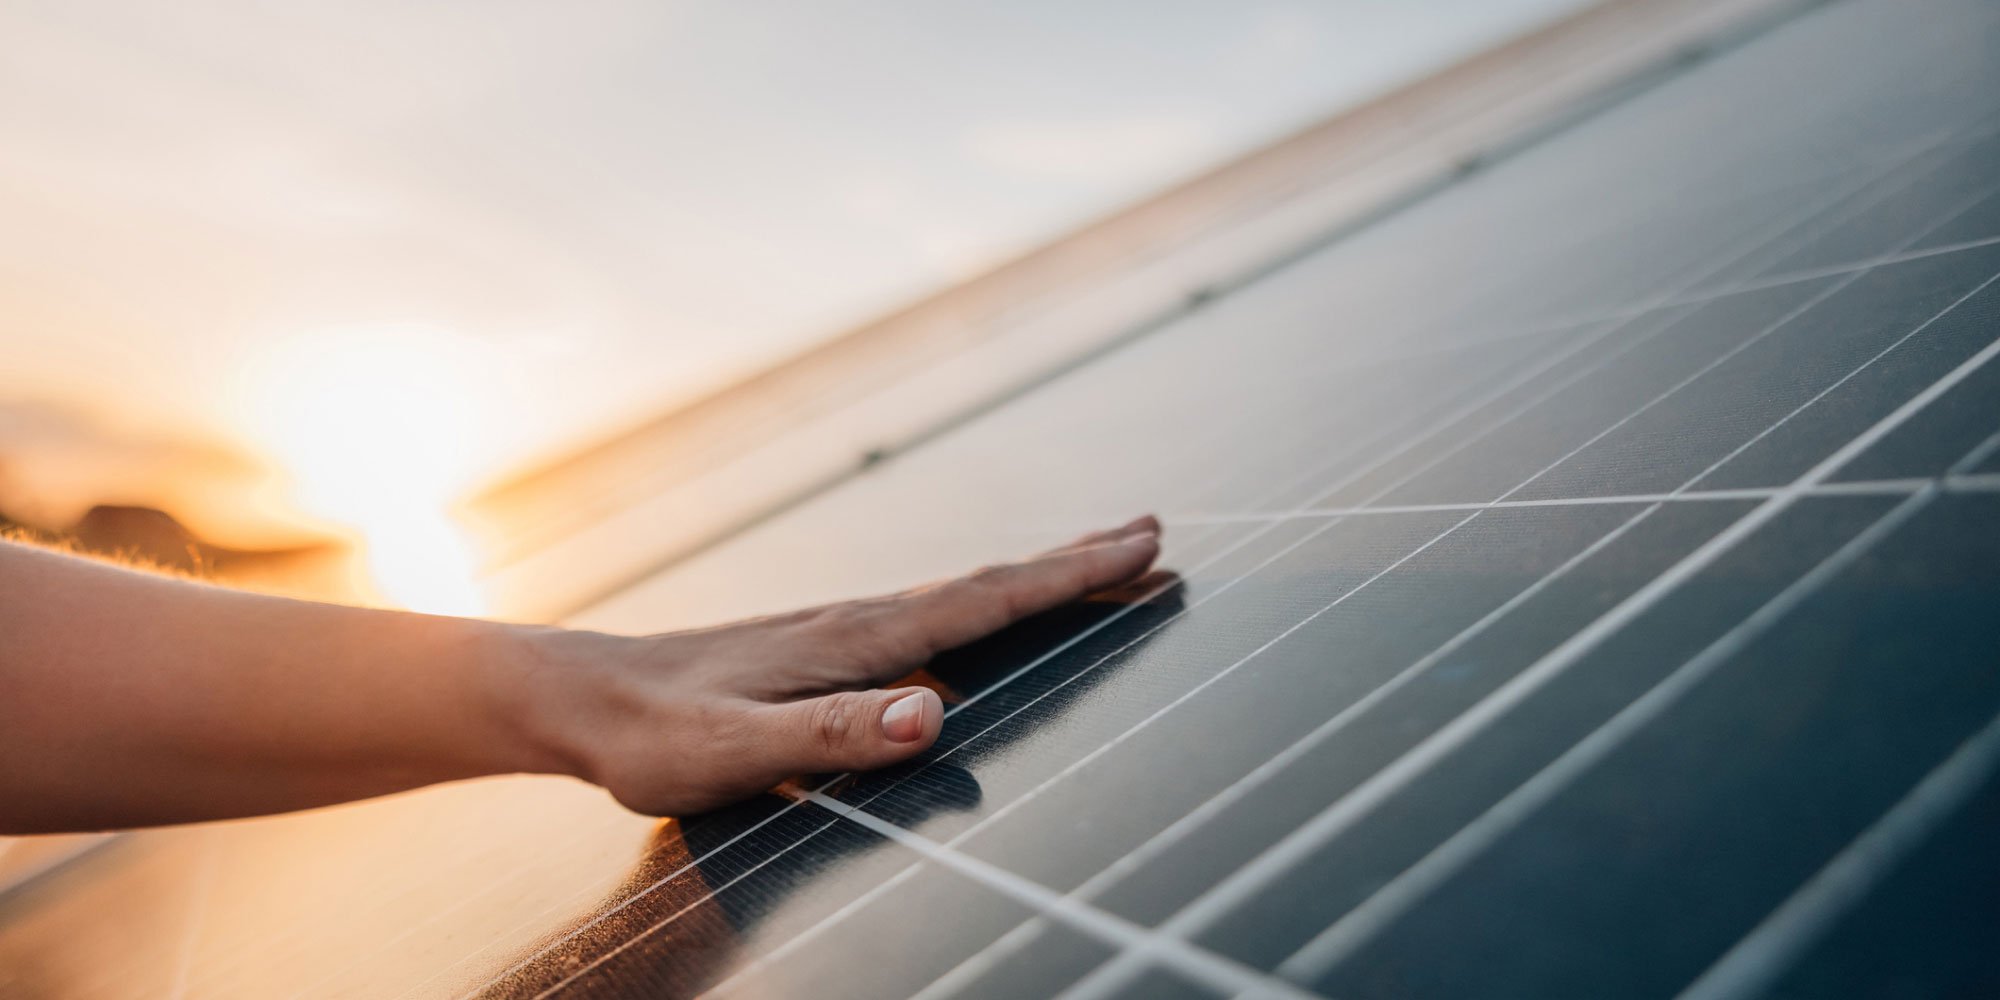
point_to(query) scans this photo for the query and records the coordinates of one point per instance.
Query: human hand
(689, 721)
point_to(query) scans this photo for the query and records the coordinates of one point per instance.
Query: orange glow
(379, 430)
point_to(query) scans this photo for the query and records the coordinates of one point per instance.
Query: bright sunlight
(379, 430)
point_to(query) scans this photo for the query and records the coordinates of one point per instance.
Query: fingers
(1144, 522)
(710, 752)
(877, 641)
(849, 731)
(772, 722)
(958, 612)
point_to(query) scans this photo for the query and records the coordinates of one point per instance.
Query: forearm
(129, 699)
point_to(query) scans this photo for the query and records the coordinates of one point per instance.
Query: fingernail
(903, 720)
(1136, 537)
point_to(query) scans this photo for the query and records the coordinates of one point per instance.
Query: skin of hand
(130, 699)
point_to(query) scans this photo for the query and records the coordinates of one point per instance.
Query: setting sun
(379, 430)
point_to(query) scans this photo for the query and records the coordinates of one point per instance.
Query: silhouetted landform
(57, 461)
(71, 479)
(147, 538)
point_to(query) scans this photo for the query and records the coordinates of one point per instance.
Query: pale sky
(573, 214)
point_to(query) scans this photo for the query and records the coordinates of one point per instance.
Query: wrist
(544, 683)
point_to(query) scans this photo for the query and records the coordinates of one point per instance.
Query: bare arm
(129, 699)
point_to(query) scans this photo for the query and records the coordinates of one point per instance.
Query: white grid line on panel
(1960, 481)
(1963, 467)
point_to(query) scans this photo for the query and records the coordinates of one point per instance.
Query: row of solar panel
(1800, 363)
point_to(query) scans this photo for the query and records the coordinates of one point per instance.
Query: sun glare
(379, 430)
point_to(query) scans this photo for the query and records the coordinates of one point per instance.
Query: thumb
(852, 730)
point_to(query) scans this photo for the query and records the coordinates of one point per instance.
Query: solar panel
(1585, 588)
